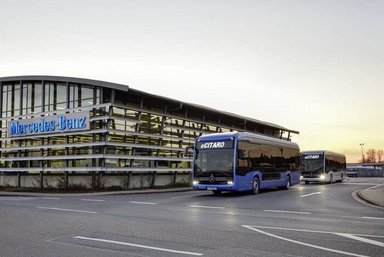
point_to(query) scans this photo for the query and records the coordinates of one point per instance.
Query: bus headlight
(322, 177)
(195, 182)
(301, 177)
(230, 182)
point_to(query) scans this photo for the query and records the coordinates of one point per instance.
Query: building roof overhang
(126, 88)
(66, 79)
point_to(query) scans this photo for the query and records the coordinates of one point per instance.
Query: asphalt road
(307, 220)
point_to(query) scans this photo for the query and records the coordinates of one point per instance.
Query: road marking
(136, 245)
(206, 207)
(369, 188)
(69, 210)
(359, 184)
(368, 241)
(311, 231)
(50, 198)
(148, 203)
(373, 218)
(301, 243)
(315, 193)
(293, 212)
(92, 200)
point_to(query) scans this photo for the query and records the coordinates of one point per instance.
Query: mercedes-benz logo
(212, 178)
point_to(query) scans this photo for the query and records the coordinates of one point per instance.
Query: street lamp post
(362, 152)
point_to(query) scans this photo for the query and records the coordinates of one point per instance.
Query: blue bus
(242, 161)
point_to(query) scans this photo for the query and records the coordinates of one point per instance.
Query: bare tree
(379, 155)
(371, 155)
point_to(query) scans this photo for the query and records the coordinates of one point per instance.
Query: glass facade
(129, 130)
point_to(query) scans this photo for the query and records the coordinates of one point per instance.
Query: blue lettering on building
(71, 123)
(46, 125)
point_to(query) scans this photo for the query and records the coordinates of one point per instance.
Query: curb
(366, 200)
(145, 191)
(360, 195)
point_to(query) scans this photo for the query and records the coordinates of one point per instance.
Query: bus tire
(287, 183)
(216, 192)
(306, 182)
(255, 186)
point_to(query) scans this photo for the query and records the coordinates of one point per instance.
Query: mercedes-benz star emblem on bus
(212, 178)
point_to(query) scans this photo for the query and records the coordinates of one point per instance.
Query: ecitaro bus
(322, 166)
(241, 161)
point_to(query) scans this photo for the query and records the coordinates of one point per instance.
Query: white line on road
(373, 218)
(358, 184)
(369, 188)
(206, 207)
(148, 203)
(368, 241)
(92, 200)
(315, 193)
(301, 243)
(69, 210)
(293, 212)
(137, 245)
(311, 231)
(50, 198)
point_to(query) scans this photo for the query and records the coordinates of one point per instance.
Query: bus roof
(327, 152)
(247, 136)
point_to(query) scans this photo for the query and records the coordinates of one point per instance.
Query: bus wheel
(287, 183)
(331, 179)
(306, 182)
(216, 192)
(255, 186)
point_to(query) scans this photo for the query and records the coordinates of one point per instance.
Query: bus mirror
(189, 150)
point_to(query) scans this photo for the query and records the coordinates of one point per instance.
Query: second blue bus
(242, 161)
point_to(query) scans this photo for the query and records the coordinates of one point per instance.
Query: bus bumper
(202, 187)
(320, 179)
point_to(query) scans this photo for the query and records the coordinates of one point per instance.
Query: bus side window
(242, 162)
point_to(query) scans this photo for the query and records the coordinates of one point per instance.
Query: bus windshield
(312, 163)
(218, 162)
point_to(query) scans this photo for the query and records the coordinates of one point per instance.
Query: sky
(312, 66)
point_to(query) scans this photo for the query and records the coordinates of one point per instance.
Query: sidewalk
(374, 196)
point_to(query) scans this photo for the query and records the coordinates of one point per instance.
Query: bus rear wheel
(255, 186)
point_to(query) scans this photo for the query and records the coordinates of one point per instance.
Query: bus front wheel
(255, 186)
(287, 183)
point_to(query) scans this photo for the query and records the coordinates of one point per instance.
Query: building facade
(75, 127)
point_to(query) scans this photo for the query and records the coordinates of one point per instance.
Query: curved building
(75, 127)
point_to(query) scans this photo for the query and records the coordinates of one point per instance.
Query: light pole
(362, 152)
